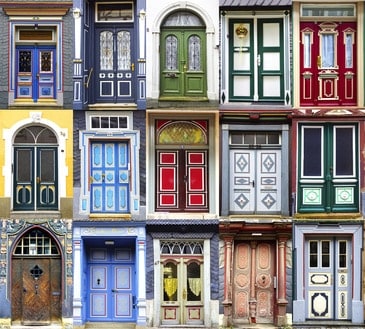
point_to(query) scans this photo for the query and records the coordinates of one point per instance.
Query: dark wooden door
(36, 290)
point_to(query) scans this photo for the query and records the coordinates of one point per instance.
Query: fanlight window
(35, 135)
(36, 242)
(182, 248)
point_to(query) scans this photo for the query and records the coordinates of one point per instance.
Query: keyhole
(98, 282)
(263, 278)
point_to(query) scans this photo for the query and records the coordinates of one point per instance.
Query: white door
(328, 278)
(255, 181)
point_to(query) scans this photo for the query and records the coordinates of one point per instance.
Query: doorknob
(38, 180)
(132, 67)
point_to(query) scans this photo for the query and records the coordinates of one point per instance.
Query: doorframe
(300, 234)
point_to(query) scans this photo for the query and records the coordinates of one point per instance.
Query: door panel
(253, 282)
(328, 276)
(109, 186)
(115, 75)
(111, 295)
(328, 63)
(183, 64)
(256, 65)
(47, 178)
(255, 181)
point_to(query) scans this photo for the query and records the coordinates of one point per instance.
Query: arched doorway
(183, 57)
(35, 169)
(36, 289)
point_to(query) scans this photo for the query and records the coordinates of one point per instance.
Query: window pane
(25, 61)
(328, 50)
(194, 283)
(348, 54)
(106, 51)
(313, 254)
(312, 152)
(124, 50)
(325, 254)
(170, 282)
(194, 53)
(342, 245)
(344, 152)
(307, 50)
(171, 53)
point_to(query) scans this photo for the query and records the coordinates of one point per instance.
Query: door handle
(132, 67)
(253, 183)
(114, 290)
(38, 180)
(319, 61)
(258, 60)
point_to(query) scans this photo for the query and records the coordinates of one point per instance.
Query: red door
(328, 63)
(182, 180)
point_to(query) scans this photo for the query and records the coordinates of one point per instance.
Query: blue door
(109, 181)
(111, 282)
(114, 76)
(35, 73)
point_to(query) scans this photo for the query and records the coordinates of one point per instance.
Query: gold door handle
(38, 180)
(319, 61)
(88, 78)
(184, 294)
(132, 67)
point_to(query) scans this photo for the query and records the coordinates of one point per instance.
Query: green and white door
(183, 58)
(328, 169)
(328, 276)
(256, 60)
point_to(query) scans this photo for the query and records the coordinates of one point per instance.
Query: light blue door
(109, 181)
(111, 275)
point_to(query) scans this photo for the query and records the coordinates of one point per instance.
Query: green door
(328, 173)
(183, 58)
(183, 64)
(256, 60)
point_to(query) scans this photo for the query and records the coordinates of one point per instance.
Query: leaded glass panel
(46, 61)
(106, 51)
(194, 53)
(171, 52)
(124, 50)
(25, 61)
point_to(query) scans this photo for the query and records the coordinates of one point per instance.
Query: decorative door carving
(253, 282)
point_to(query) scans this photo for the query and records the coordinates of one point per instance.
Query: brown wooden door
(253, 289)
(36, 290)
